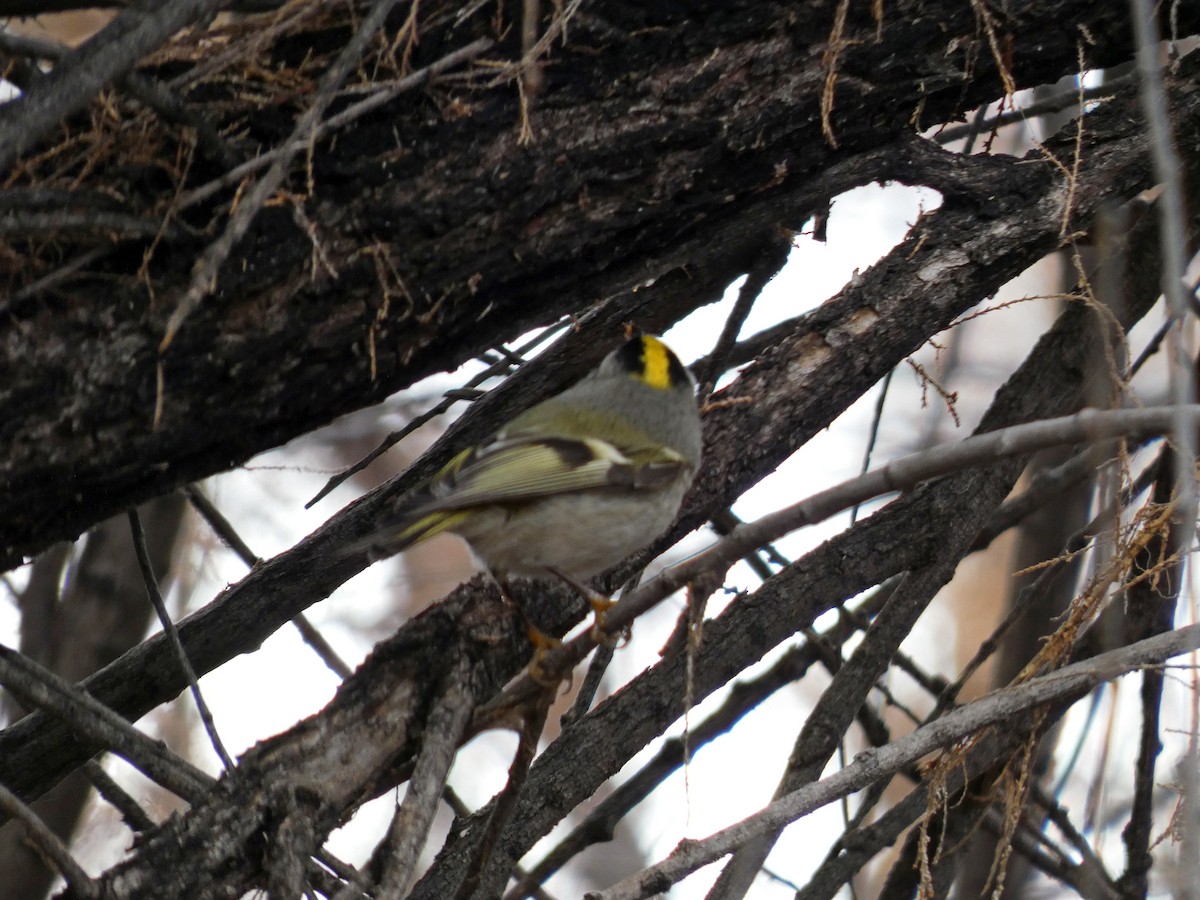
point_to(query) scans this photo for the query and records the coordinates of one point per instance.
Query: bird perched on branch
(574, 484)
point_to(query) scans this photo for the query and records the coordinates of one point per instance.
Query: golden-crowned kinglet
(574, 484)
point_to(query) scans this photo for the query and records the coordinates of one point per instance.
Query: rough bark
(666, 139)
(632, 172)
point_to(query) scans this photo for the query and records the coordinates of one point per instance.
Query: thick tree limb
(287, 793)
(281, 350)
(418, 234)
(889, 311)
(898, 538)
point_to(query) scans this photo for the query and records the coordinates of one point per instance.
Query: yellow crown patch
(656, 363)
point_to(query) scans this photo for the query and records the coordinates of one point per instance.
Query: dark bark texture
(664, 140)
(628, 170)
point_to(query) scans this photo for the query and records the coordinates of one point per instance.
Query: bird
(573, 485)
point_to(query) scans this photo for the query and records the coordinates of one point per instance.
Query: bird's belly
(581, 535)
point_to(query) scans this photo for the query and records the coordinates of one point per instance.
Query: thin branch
(152, 591)
(873, 434)
(442, 734)
(724, 523)
(772, 257)
(531, 57)
(501, 366)
(1050, 859)
(533, 723)
(837, 707)
(1091, 868)
(1150, 610)
(152, 93)
(132, 814)
(1057, 103)
(601, 659)
(743, 696)
(69, 222)
(462, 811)
(1172, 223)
(38, 686)
(1047, 484)
(108, 55)
(1050, 571)
(401, 847)
(48, 845)
(855, 847)
(297, 143)
(227, 533)
(900, 474)
(13, 303)
(312, 636)
(1152, 346)
(343, 870)
(590, 684)
(873, 764)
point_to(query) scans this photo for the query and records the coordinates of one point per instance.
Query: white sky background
(261, 694)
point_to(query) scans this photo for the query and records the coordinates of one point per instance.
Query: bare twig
(1057, 103)
(743, 697)
(533, 54)
(297, 142)
(160, 607)
(95, 221)
(40, 687)
(153, 93)
(1091, 867)
(590, 685)
(1168, 172)
(461, 810)
(1051, 570)
(533, 722)
(209, 264)
(876, 763)
(1150, 610)
(227, 533)
(442, 734)
(500, 367)
(133, 815)
(406, 835)
(105, 57)
(770, 261)
(48, 845)
(52, 279)
(1047, 484)
(873, 435)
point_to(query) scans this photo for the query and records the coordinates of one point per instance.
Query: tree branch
(876, 763)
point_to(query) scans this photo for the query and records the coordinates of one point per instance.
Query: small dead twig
(351, 113)
(871, 765)
(106, 57)
(208, 265)
(160, 607)
(226, 532)
(133, 815)
(37, 686)
(508, 358)
(401, 847)
(770, 261)
(533, 722)
(48, 845)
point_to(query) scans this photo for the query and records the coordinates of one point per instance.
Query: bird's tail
(391, 538)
